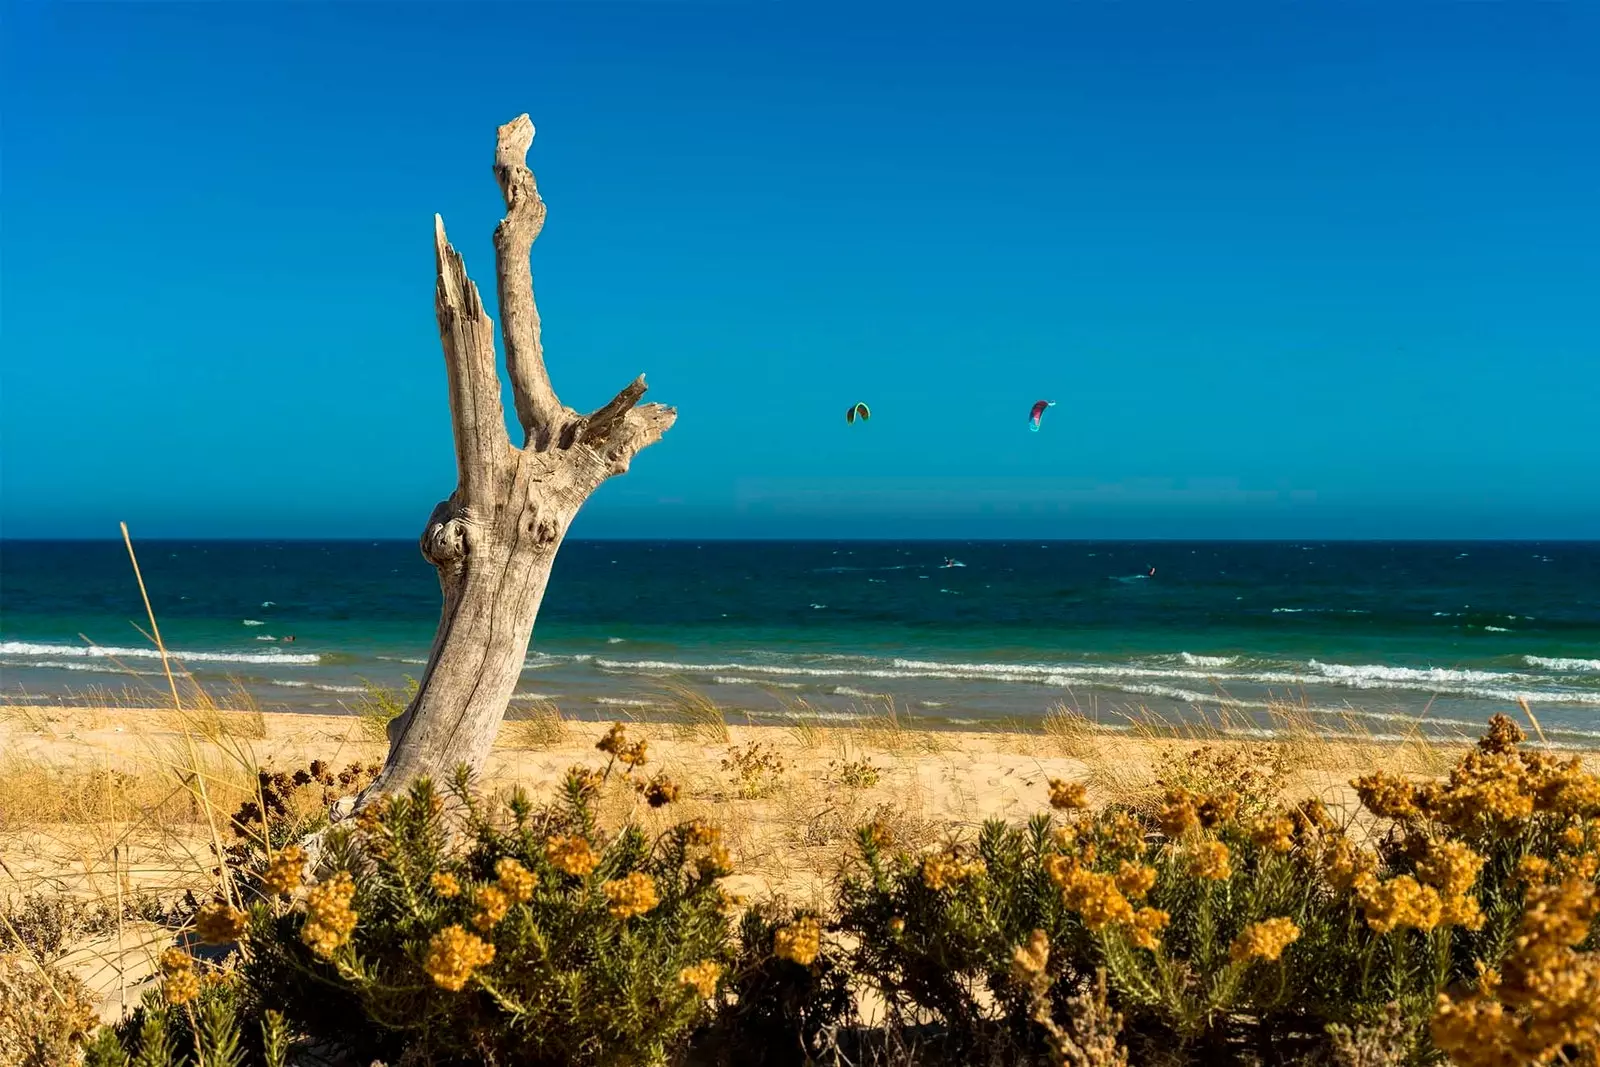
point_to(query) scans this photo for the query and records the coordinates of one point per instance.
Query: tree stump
(494, 539)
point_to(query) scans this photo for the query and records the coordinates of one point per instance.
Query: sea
(1369, 636)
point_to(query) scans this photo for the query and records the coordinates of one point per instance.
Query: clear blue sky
(1289, 270)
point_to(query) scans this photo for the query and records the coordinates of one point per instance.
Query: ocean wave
(1413, 675)
(1207, 661)
(1137, 679)
(100, 668)
(1562, 663)
(403, 659)
(253, 622)
(860, 694)
(326, 687)
(729, 679)
(30, 648)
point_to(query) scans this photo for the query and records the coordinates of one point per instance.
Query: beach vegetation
(1215, 914)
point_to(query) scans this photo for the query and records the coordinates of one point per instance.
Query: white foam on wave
(253, 622)
(30, 648)
(322, 686)
(403, 659)
(1503, 686)
(730, 679)
(100, 668)
(861, 694)
(1562, 663)
(1207, 661)
(1498, 629)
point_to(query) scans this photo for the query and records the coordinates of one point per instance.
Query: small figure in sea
(1151, 573)
(288, 637)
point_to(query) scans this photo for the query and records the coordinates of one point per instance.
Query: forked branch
(476, 415)
(538, 409)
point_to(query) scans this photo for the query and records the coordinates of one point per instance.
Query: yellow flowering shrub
(701, 977)
(515, 880)
(571, 854)
(798, 942)
(329, 917)
(632, 895)
(1065, 795)
(453, 954)
(1264, 940)
(218, 923)
(482, 938)
(1212, 861)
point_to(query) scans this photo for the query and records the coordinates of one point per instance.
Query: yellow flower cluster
(571, 855)
(445, 885)
(1211, 860)
(877, 834)
(453, 954)
(1274, 832)
(493, 903)
(1134, 880)
(1029, 961)
(1492, 786)
(515, 880)
(1311, 818)
(1178, 815)
(717, 862)
(1398, 903)
(1547, 998)
(1121, 834)
(1387, 796)
(1263, 940)
(1451, 868)
(944, 869)
(220, 924)
(1218, 808)
(179, 983)
(630, 896)
(1346, 865)
(660, 792)
(284, 873)
(701, 833)
(1147, 924)
(615, 743)
(1183, 811)
(1068, 794)
(329, 919)
(799, 941)
(701, 977)
(583, 780)
(1095, 897)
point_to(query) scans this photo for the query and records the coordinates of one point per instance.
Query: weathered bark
(493, 540)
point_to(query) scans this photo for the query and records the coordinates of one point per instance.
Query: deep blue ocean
(1370, 634)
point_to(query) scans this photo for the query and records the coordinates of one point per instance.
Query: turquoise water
(1384, 631)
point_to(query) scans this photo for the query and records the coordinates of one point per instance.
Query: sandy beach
(103, 804)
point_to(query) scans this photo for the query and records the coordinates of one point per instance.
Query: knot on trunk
(446, 540)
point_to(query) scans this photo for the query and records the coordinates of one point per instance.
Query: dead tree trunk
(493, 540)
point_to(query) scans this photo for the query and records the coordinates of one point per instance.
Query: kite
(1038, 413)
(855, 410)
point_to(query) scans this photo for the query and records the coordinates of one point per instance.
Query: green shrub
(475, 930)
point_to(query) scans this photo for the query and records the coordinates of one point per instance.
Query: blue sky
(1289, 270)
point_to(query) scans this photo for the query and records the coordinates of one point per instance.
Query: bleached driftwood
(493, 540)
